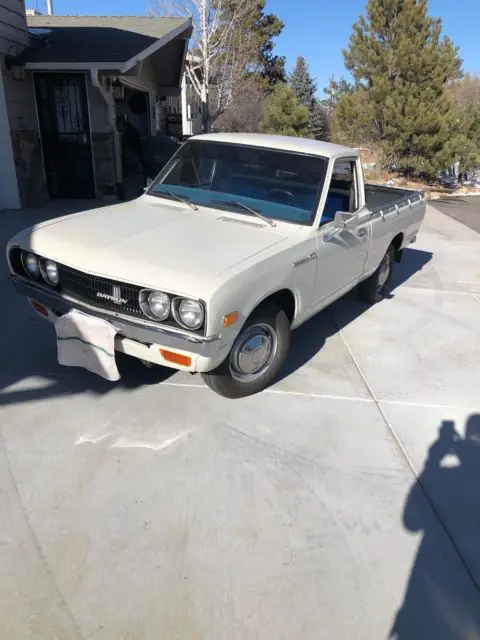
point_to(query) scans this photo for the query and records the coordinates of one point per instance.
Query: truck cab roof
(284, 143)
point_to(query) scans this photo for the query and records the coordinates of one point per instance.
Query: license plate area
(88, 342)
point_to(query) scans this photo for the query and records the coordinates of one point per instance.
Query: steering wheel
(283, 193)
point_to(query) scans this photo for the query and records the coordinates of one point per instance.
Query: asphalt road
(341, 503)
(465, 210)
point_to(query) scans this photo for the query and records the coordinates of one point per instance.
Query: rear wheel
(256, 355)
(375, 287)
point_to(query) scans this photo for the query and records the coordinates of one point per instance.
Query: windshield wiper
(236, 203)
(175, 196)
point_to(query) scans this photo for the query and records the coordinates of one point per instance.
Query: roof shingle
(106, 39)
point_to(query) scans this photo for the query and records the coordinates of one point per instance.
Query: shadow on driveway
(435, 606)
(308, 339)
(27, 343)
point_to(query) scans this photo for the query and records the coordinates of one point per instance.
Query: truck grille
(99, 291)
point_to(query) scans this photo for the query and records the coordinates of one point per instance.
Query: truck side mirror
(344, 220)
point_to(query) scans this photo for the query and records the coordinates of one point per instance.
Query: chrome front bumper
(140, 338)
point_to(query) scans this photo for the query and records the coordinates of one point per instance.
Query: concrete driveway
(341, 503)
(465, 209)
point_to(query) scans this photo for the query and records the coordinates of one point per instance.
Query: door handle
(362, 232)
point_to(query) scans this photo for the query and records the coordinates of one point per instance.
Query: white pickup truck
(239, 240)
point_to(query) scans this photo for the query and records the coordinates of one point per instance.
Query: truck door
(341, 254)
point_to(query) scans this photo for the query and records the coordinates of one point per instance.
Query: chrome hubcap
(384, 272)
(253, 352)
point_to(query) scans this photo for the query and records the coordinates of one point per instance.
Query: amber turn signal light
(230, 319)
(176, 358)
(39, 307)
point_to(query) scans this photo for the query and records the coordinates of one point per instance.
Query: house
(71, 86)
(13, 39)
(187, 109)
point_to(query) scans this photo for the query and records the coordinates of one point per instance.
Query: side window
(342, 193)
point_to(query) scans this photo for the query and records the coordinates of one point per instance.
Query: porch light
(118, 90)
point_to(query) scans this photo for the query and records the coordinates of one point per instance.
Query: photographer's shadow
(442, 599)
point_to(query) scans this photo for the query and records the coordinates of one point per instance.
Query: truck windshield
(275, 184)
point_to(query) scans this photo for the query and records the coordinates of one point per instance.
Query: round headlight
(30, 264)
(50, 272)
(159, 305)
(190, 313)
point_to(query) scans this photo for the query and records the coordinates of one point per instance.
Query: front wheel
(375, 287)
(256, 355)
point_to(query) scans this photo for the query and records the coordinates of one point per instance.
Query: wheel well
(397, 243)
(285, 300)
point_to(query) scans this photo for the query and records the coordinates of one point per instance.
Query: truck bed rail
(382, 200)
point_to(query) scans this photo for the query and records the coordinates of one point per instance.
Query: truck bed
(381, 197)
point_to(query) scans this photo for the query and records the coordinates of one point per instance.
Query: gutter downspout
(183, 94)
(117, 149)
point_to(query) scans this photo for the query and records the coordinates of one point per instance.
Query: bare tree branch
(219, 52)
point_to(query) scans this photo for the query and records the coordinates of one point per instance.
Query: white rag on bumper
(88, 342)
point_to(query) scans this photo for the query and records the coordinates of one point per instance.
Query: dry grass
(431, 191)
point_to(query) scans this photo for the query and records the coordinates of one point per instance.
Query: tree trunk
(205, 118)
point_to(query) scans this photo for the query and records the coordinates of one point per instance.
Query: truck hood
(153, 243)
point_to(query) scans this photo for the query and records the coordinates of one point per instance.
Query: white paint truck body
(234, 223)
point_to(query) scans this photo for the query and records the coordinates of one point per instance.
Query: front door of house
(65, 133)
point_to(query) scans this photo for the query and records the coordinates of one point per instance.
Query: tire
(269, 328)
(374, 288)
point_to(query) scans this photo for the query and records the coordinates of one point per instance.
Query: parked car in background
(238, 241)
(449, 181)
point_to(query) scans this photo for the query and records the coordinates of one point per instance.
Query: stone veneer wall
(29, 164)
(30, 171)
(104, 164)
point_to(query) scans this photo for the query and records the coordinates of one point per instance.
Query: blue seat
(335, 202)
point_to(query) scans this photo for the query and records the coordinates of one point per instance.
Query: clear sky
(315, 29)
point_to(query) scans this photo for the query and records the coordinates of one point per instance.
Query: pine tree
(318, 122)
(333, 92)
(304, 88)
(282, 114)
(259, 29)
(466, 94)
(268, 26)
(303, 85)
(401, 65)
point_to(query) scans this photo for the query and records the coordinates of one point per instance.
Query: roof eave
(74, 66)
(120, 67)
(158, 44)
